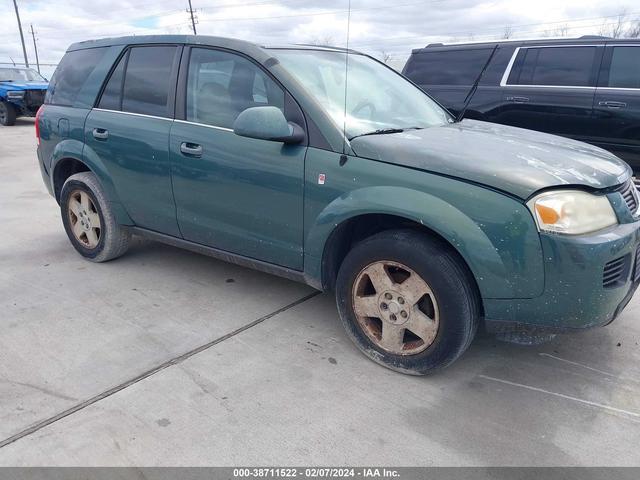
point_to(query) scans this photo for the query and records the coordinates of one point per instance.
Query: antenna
(474, 87)
(346, 84)
(193, 18)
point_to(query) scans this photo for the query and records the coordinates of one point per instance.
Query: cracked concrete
(165, 357)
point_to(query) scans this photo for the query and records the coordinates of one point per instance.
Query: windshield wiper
(385, 131)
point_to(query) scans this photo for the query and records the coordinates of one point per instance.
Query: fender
(74, 149)
(487, 255)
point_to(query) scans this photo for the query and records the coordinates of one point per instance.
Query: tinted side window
(72, 72)
(557, 66)
(148, 77)
(112, 95)
(220, 85)
(452, 67)
(624, 71)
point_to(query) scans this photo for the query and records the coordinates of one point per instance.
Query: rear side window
(73, 70)
(452, 67)
(141, 82)
(112, 95)
(554, 66)
(624, 71)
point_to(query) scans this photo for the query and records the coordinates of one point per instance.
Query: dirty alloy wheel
(407, 301)
(7, 114)
(89, 221)
(395, 307)
(84, 218)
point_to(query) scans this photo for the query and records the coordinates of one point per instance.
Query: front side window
(220, 85)
(624, 71)
(73, 70)
(377, 98)
(554, 66)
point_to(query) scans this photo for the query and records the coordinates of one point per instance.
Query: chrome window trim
(132, 113)
(215, 127)
(505, 76)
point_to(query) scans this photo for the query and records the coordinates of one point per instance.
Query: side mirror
(267, 123)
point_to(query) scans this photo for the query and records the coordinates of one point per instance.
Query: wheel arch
(355, 229)
(362, 213)
(69, 161)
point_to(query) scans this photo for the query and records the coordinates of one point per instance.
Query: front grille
(636, 276)
(34, 98)
(615, 272)
(629, 192)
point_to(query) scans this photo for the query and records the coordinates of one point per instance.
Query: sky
(383, 28)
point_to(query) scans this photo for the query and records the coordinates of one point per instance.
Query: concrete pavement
(165, 357)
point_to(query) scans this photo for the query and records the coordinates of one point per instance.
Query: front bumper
(578, 293)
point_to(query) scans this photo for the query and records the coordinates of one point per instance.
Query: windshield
(20, 75)
(378, 98)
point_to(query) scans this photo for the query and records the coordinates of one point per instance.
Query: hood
(510, 159)
(24, 85)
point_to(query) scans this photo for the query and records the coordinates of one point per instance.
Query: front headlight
(572, 212)
(15, 94)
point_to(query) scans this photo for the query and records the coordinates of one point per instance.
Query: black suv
(587, 89)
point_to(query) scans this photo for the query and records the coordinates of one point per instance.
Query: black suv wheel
(407, 302)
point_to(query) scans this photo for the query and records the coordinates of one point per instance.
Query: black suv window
(72, 72)
(220, 85)
(624, 71)
(557, 66)
(449, 67)
(141, 82)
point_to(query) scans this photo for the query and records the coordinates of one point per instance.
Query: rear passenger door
(617, 103)
(237, 194)
(551, 89)
(128, 132)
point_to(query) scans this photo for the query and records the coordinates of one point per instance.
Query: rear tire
(407, 301)
(89, 220)
(7, 114)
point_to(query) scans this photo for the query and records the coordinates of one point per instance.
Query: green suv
(423, 226)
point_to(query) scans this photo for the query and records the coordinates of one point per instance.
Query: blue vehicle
(22, 93)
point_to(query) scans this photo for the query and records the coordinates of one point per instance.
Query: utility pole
(193, 20)
(35, 47)
(24, 49)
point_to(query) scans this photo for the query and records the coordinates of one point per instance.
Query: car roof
(206, 40)
(584, 40)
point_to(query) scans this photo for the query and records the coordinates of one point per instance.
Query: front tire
(89, 220)
(7, 114)
(407, 301)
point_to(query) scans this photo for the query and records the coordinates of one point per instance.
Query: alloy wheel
(84, 219)
(395, 307)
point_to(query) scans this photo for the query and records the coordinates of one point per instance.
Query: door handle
(100, 133)
(191, 149)
(518, 99)
(610, 104)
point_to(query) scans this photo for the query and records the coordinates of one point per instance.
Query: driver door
(237, 194)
